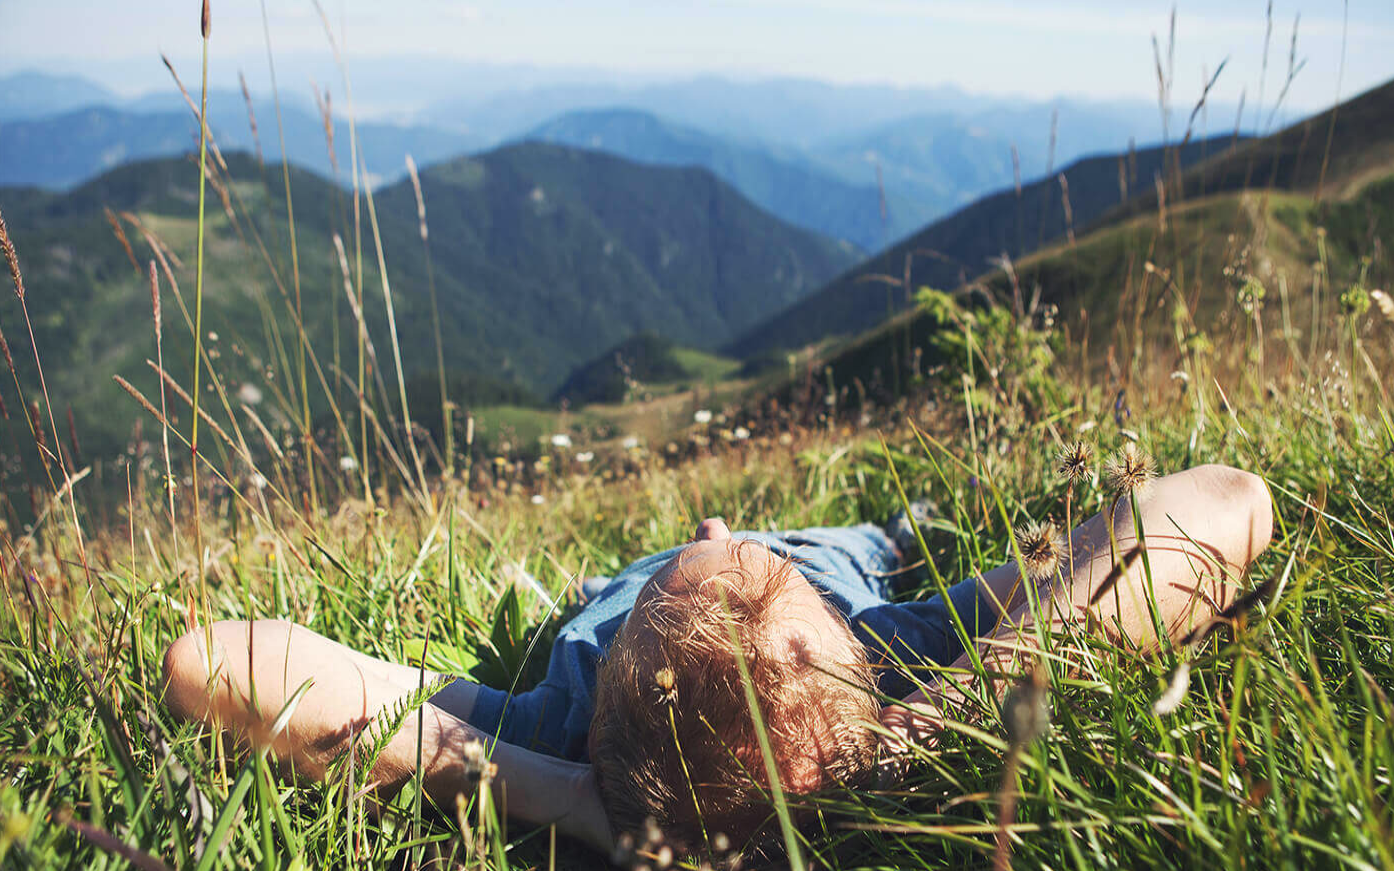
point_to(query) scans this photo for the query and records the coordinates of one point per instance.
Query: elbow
(185, 684)
(1244, 500)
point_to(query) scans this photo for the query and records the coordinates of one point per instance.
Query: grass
(1280, 750)
(1269, 744)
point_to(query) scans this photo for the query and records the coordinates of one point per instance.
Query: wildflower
(742, 433)
(630, 442)
(1251, 294)
(538, 499)
(585, 456)
(1087, 426)
(1171, 697)
(1042, 550)
(249, 394)
(347, 463)
(561, 440)
(1073, 461)
(665, 684)
(702, 415)
(1355, 301)
(258, 481)
(1130, 469)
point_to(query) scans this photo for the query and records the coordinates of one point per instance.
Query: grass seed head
(1074, 461)
(1130, 469)
(11, 259)
(1042, 549)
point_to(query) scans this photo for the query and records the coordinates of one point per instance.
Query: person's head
(673, 737)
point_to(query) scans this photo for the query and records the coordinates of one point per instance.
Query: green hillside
(955, 249)
(543, 257)
(635, 367)
(1267, 269)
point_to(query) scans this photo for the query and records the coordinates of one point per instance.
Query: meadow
(1268, 742)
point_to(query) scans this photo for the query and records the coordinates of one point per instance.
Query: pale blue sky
(1087, 48)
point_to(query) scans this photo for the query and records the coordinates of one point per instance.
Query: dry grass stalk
(156, 313)
(251, 117)
(188, 400)
(1069, 212)
(121, 237)
(72, 439)
(36, 424)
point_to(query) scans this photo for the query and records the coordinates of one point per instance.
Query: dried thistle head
(665, 685)
(1074, 460)
(1042, 549)
(1130, 469)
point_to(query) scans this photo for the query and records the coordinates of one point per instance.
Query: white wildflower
(249, 394)
(702, 415)
(630, 442)
(258, 481)
(585, 456)
(347, 463)
(561, 440)
(538, 498)
(742, 433)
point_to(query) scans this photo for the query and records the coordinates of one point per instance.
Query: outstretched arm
(257, 666)
(1202, 528)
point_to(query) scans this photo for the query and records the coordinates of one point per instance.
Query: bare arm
(1202, 528)
(258, 666)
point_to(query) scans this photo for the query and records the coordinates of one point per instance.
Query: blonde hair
(673, 738)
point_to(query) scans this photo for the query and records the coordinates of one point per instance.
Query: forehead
(701, 560)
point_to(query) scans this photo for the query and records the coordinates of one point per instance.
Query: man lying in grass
(644, 711)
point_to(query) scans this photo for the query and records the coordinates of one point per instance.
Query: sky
(1082, 48)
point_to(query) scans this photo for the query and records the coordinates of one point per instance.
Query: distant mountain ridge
(783, 181)
(822, 156)
(34, 94)
(60, 151)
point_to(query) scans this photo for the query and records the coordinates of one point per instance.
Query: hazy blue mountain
(793, 112)
(938, 162)
(59, 151)
(32, 94)
(783, 181)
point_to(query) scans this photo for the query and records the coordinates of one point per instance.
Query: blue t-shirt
(850, 565)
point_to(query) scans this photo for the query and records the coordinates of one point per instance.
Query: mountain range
(542, 256)
(947, 253)
(867, 164)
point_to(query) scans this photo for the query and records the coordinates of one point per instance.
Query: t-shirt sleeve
(917, 633)
(534, 720)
